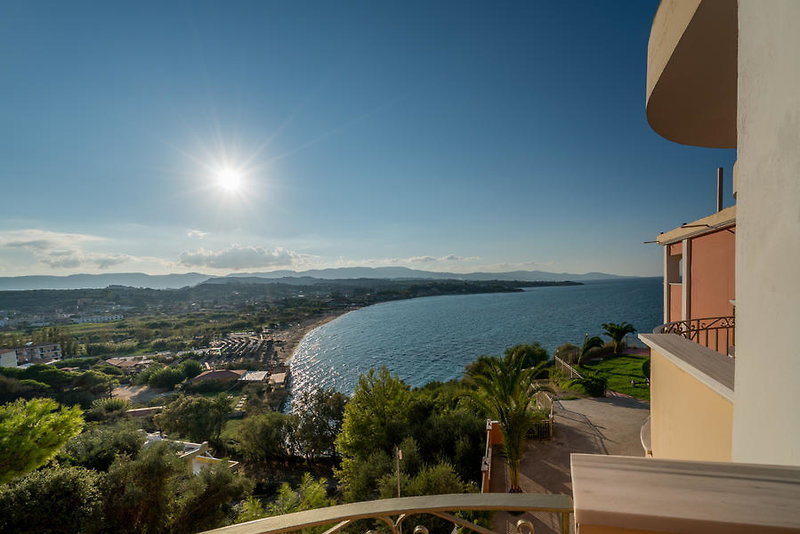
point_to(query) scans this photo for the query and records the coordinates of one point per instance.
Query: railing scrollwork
(711, 332)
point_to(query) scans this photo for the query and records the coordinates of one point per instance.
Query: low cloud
(71, 259)
(453, 257)
(448, 261)
(421, 259)
(60, 250)
(239, 257)
(104, 261)
(62, 261)
(43, 240)
(432, 259)
(196, 234)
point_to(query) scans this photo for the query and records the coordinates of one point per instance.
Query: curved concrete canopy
(692, 72)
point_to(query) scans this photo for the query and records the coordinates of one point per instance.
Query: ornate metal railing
(543, 429)
(394, 512)
(711, 332)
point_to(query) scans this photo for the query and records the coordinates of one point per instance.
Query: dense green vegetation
(32, 432)
(504, 390)
(67, 387)
(332, 449)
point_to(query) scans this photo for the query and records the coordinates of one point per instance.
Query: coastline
(291, 337)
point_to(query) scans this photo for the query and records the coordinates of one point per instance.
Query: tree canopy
(56, 500)
(589, 343)
(98, 447)
(375, 418)
(265, 437)
(32, 432)
(196, 418)
(319, 419)
(531, 354)
(617, 333)
(504, 390)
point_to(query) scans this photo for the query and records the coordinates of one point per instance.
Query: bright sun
(229, 179)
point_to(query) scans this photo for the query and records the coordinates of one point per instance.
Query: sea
(434, 338)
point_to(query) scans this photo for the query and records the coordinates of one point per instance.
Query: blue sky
(447, 136)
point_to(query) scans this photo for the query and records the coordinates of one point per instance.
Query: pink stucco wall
(713, 274)
(675, 302)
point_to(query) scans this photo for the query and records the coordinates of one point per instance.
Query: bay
(433, 338)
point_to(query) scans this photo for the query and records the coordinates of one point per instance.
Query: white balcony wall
(766, 425)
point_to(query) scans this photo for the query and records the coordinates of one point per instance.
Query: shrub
(210, 386)
(97, 448)
(105, 409)
(191, 368)
(166, 378)
(532, 355)
(12, 389)
(646, 368)
(83, 363)
(607, 349)
(594, 385)
(197, 418)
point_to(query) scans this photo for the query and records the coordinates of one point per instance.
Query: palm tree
(617, 332)
(589, 343)
(505, 390)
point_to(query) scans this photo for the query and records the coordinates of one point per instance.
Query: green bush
(210, 386)
(166, 378)
(607, 349)
(55, 500)
(594, 385)
(532, 355)
(83, 363)
(646, 368)
(191, 368)
(107, 409)
(98, 448)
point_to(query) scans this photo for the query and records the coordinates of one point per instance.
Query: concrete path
(608, 425)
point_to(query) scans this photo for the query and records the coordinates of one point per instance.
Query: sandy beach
(290, 338)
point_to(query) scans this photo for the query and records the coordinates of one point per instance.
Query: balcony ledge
(649, 495)
(711, 368)
(404, 506)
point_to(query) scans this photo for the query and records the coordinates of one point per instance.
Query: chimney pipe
(719, 189)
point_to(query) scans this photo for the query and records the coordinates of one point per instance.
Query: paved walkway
(608, 425)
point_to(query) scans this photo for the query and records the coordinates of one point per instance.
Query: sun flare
(229, 179)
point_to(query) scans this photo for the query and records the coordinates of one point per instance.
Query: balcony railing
(711, 332)
(394, 512)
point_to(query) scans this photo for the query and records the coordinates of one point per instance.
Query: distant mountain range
(174, 281)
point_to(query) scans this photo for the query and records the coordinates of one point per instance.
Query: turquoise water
(433, 338)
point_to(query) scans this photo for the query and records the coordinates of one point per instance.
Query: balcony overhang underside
(692, 72)
(716, 221)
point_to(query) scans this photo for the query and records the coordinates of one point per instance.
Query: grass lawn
(620, 370)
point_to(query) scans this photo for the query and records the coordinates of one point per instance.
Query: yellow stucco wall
(688, 421)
